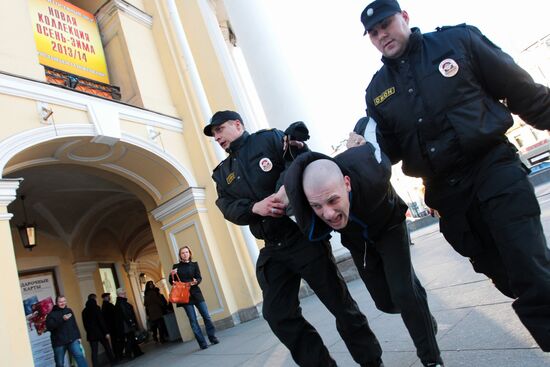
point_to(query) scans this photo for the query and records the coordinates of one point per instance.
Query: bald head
(326, 189)
(321, 173)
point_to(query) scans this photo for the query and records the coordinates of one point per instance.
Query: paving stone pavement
(477, 326)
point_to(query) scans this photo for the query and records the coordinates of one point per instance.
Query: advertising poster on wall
(110, 283)
(67, 38)
(39, 291)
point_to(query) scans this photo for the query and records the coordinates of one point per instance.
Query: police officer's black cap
(219, 118)
(377, 11)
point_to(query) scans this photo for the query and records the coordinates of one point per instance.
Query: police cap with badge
(377, 11)
(219, 118)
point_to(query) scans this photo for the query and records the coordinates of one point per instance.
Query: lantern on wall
(27, 231)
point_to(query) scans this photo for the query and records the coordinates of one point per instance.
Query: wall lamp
(27, 231)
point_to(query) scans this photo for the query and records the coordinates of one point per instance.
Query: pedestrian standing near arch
(65, 335)
(188, 271)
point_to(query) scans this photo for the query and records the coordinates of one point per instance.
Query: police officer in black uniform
(351, 193)
(443, 102)
(247, 181)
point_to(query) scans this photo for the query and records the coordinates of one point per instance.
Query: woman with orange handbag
(188, 271)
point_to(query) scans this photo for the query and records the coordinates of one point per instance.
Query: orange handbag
(180, 291)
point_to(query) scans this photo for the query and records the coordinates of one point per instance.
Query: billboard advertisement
(67, 38)
(39, 291)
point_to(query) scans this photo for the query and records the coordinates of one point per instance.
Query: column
(133, 275)
(191, 69)
(85, 272)
(254, 120)
(278, 91)
(15, 347)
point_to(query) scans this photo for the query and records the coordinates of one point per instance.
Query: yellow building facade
(117, 186)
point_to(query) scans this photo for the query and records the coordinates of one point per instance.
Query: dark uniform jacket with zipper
(439, 121)
(374, 205)
(241, 182)
(448, 127)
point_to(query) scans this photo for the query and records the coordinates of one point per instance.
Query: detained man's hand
(281, 196)
(355, 140)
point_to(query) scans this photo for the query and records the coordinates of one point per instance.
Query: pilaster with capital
(133, 276)
(86, 273)
(12, 315)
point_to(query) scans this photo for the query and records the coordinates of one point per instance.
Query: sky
(333, 63)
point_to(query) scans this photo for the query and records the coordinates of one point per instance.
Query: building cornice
(182, 201)
(42, 92)
(106, 12)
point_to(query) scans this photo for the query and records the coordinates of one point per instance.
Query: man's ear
(240, 124)
(405, 16)
(347, 182)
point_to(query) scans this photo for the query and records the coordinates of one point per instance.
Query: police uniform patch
(448, 68)
(230, 178)
(382, 97)
(265, 164)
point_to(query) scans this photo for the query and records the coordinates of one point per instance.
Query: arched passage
(91, 203)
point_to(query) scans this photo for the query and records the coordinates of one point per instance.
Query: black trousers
(279, 272)
(493, 218)
(512, 251)
(94, 346)
(158, 325)
(389, 276)
(131, 348)
(118, 345)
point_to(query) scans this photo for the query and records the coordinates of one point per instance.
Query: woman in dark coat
(96, 329)
(155, 305)
(188, 271)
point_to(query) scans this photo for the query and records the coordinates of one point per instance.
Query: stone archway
(103, 156)
(91, 202)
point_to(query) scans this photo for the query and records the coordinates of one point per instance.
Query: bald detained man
(326, 189)
(351, 193)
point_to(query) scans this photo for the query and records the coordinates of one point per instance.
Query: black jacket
(93, 321)
(186, 273)
(241, 182)
(62, 332)
(108, 311)
(126, 321)
(438, 124)
(155, 303)
(375, 207)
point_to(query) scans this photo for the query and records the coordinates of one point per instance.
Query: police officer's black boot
(377, 363)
